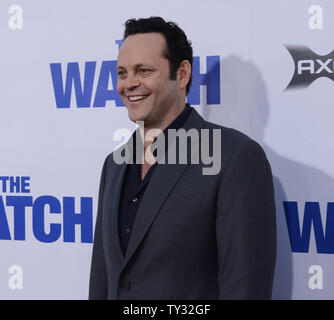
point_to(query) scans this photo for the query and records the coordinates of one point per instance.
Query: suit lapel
(163, 180)
(112, 205)
(152, 201)
(115, 184)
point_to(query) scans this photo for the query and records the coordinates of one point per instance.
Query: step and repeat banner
(263, 67)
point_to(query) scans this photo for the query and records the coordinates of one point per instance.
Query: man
(167, 230)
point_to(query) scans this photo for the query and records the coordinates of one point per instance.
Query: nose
(131, 82)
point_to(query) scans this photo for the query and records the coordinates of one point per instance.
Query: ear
(183, 74)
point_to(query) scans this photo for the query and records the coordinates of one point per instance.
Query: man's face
(144, 84)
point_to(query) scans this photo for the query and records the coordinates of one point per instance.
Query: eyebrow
(135, 66)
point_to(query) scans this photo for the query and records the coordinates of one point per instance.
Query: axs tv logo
(309, 66)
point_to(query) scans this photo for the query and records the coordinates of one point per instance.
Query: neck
(166, 121)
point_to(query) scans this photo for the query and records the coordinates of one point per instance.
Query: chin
(133, 116)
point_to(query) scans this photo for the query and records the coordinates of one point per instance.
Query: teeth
(135, 98)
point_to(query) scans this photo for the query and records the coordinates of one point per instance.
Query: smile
(137, 98)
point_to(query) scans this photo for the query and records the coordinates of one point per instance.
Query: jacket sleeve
(246, 225)
(98, 284)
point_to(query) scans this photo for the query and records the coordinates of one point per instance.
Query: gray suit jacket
(195, 236)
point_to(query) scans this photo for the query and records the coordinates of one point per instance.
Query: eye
(121, 73)
(144, 71)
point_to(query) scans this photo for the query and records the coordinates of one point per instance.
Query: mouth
(137, 99)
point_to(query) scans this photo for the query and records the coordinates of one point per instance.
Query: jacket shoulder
(232, 139)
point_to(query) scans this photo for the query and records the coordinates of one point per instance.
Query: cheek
(119, 87)
(155, 86)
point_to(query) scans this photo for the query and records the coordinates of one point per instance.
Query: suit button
(135, 199)
(126, 285)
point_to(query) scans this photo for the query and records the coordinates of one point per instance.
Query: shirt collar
(180, 119)
(176, 124)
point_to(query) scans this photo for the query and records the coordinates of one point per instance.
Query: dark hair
(178, 47)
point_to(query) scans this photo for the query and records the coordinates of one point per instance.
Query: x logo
(309, 66)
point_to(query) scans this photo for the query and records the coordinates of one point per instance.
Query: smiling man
(144, 82)
(168, 231)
